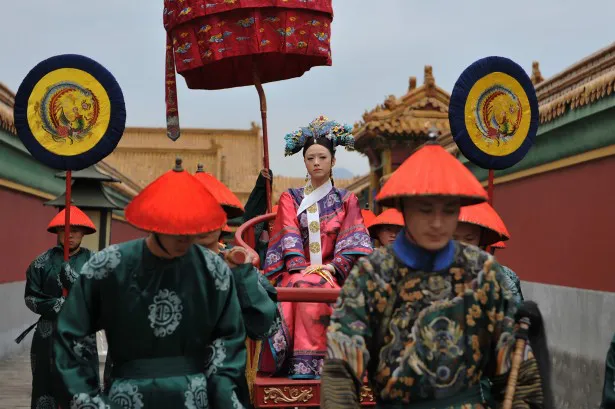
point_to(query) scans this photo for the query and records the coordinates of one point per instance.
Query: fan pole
(67, 215)
(490, 195)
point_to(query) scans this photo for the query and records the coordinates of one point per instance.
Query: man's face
(74, 239)
(468, 233)
(431, 220)
(208, 239)
(388, 233)
(176, 246)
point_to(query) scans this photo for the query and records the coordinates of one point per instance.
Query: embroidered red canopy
(218, 44)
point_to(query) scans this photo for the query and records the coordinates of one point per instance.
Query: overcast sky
(376, 45)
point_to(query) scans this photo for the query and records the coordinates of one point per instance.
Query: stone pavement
(15, 382)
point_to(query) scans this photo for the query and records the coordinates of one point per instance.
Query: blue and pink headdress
(337, 134)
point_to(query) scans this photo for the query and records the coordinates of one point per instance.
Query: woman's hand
(322, 270)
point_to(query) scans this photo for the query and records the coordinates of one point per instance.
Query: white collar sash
(312, 196)
(310, 203)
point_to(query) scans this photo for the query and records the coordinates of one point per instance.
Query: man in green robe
(169, 309)
(608, 393)
(48, 278)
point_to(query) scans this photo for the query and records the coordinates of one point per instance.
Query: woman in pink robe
(317, 237)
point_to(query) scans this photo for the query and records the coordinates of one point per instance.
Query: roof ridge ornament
(537, 77)
(429, 80)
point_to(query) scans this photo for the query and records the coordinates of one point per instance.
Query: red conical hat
(227, 199)
(368, 216)
(177, 204)
(77, 218)
(499, 245)
(391, 216)
(226, 229)
(485, 216)
(432, 171)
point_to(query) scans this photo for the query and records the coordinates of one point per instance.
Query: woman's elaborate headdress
(338, 134)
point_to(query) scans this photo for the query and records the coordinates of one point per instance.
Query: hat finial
(178, 165)
(432, 136)
(199, 168)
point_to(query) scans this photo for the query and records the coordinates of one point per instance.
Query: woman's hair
(321, 128)
(323, 141)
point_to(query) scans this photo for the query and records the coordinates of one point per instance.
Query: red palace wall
(24, 221)
(562, 225)
(122, 231)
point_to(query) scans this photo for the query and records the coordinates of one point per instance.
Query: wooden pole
(263, 101)
(524, 326)
(490, 195)
(67, 215)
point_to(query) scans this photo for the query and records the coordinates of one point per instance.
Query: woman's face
(388, 233)
(468, 233)
(318, 162)
(431, 220)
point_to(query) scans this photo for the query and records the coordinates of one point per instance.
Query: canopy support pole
(263, 101)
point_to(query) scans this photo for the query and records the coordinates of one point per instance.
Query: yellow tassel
(253, 349)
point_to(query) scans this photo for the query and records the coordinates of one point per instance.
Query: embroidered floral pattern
(235, 401)
(435, 332)
(85, 401)
(165, 313)
(42, 259)
(275, 327)
(306, 366)
(219, 270)
(216, 353)
(67, 276)
(196, 395)
(86, 347)
(46, 402)
(103, 262)
(126, 395)
(58, 304)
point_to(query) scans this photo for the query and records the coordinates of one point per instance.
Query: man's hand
(67, 276)
(266, 173)
(237, 256)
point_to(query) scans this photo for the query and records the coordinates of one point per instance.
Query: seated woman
(317, 236)
(481, 226)
(386, 226)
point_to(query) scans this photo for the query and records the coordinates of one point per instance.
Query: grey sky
(376, 46)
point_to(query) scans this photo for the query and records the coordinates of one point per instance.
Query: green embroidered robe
(43, 296)
(426, 339)
(173, 327)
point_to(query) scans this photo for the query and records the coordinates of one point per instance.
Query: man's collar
(420, 259)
